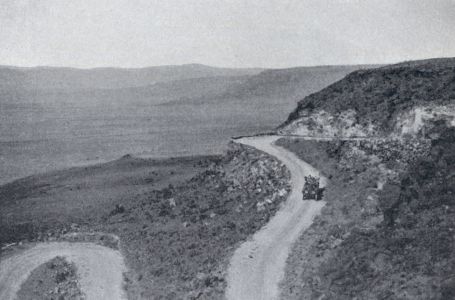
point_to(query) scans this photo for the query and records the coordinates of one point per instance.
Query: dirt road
(100, 268)
(258, 265)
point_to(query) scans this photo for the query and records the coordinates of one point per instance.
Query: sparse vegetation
(410, 254)
(370, 243)
(179, 239)
(54, 203)
(176, 235)
(56, 279)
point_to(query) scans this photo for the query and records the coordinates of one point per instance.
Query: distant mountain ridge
(107, 78)
(292, 82)
(275, 86)
(170, 85)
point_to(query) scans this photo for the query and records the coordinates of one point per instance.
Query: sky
(228, 33)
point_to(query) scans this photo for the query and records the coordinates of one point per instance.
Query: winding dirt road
(100, 268)
(258, 265)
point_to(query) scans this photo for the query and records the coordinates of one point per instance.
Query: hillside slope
(179, 220)
(378, 242)
(410, 253)
(372, 101)
(387, 229)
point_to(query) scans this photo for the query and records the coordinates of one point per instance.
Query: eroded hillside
(378, 102)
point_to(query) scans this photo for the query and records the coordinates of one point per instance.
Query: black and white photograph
(227, 150)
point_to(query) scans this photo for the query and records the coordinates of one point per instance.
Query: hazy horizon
(193, 64)
(230, 34)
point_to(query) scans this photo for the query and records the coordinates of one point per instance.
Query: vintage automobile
(311, 189)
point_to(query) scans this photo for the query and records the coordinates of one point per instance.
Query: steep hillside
(410, 254)
(368, 102)
(374, 242)
(106, 78)
(387, 229)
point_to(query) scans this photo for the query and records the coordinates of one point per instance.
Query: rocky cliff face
(421, 121)
(321, 123)
(416, 122)
(398, 100)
